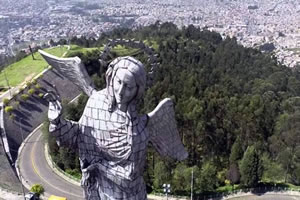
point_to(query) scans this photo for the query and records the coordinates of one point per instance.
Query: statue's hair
(132, 65)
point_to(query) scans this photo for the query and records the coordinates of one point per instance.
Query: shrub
(5, 101)
(37, 188)
(41, 95)
(37, 86)
(34, 81)
(74, 172)
(31, 91)
(8, 109)
(28, 84)
(24, 97)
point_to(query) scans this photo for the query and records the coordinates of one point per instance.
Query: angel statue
(110, 136)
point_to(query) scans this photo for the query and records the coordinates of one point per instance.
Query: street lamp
(7, 83)
(192, 183)
(167, 189)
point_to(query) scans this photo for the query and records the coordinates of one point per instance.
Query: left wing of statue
(73, 69)
(163, 131)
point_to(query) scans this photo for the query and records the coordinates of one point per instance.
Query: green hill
(27, 68)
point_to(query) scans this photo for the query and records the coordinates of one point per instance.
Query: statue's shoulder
(97, 97)
(99, 94)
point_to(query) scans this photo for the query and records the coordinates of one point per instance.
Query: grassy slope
(119, 50)
(125, 51)
(27, 68)
(76, 48)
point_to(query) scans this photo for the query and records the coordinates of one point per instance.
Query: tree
(233, 174)
(182, 178)
(296, 175)
(236, 151)
(67, 157)
(273, 171)
(52, 43)
(251, 168)
(208, 179)
(31, 51)
(286, 142)
(161, 174)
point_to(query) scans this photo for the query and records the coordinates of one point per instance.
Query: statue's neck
(122, 107)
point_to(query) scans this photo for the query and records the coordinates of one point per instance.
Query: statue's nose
(121, 89)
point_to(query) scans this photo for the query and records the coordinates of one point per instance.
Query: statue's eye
(119, 81)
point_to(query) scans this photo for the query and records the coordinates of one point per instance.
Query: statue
(111, 137)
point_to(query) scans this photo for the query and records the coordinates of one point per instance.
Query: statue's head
(126, 81)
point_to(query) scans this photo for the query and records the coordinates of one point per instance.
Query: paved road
(34, 169)
(268, 197)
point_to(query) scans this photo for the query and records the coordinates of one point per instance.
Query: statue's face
(125, 88)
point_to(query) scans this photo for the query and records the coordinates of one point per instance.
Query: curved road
(35, 169)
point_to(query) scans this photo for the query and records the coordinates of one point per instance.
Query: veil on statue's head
(132, 65)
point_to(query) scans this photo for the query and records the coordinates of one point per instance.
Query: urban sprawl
(253, 22)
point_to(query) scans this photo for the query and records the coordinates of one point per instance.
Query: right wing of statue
(73, 69)
(163, 132)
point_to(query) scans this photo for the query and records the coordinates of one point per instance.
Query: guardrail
(57, 170)
(250, 191)
(3, 134)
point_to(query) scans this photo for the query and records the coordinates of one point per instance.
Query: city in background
(270, 24)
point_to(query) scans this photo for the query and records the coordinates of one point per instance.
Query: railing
(59, 171)
(240, 193)
(251, 191)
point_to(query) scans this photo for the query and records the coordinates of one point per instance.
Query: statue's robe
(112, 149)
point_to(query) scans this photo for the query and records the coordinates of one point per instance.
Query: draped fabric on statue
(112, 150)
(112, 144)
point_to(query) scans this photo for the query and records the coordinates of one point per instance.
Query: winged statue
(111, 136)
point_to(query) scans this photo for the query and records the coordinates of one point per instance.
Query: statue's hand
(55, 107)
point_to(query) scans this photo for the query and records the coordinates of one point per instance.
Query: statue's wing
(73, 69)
(163, 131)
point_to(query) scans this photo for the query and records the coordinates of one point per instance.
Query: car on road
(31, 196)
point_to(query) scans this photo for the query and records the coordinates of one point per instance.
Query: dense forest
(238, 110)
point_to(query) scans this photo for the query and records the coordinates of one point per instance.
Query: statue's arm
(65, 131)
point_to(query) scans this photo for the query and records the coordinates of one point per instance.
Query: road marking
(37, 172)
